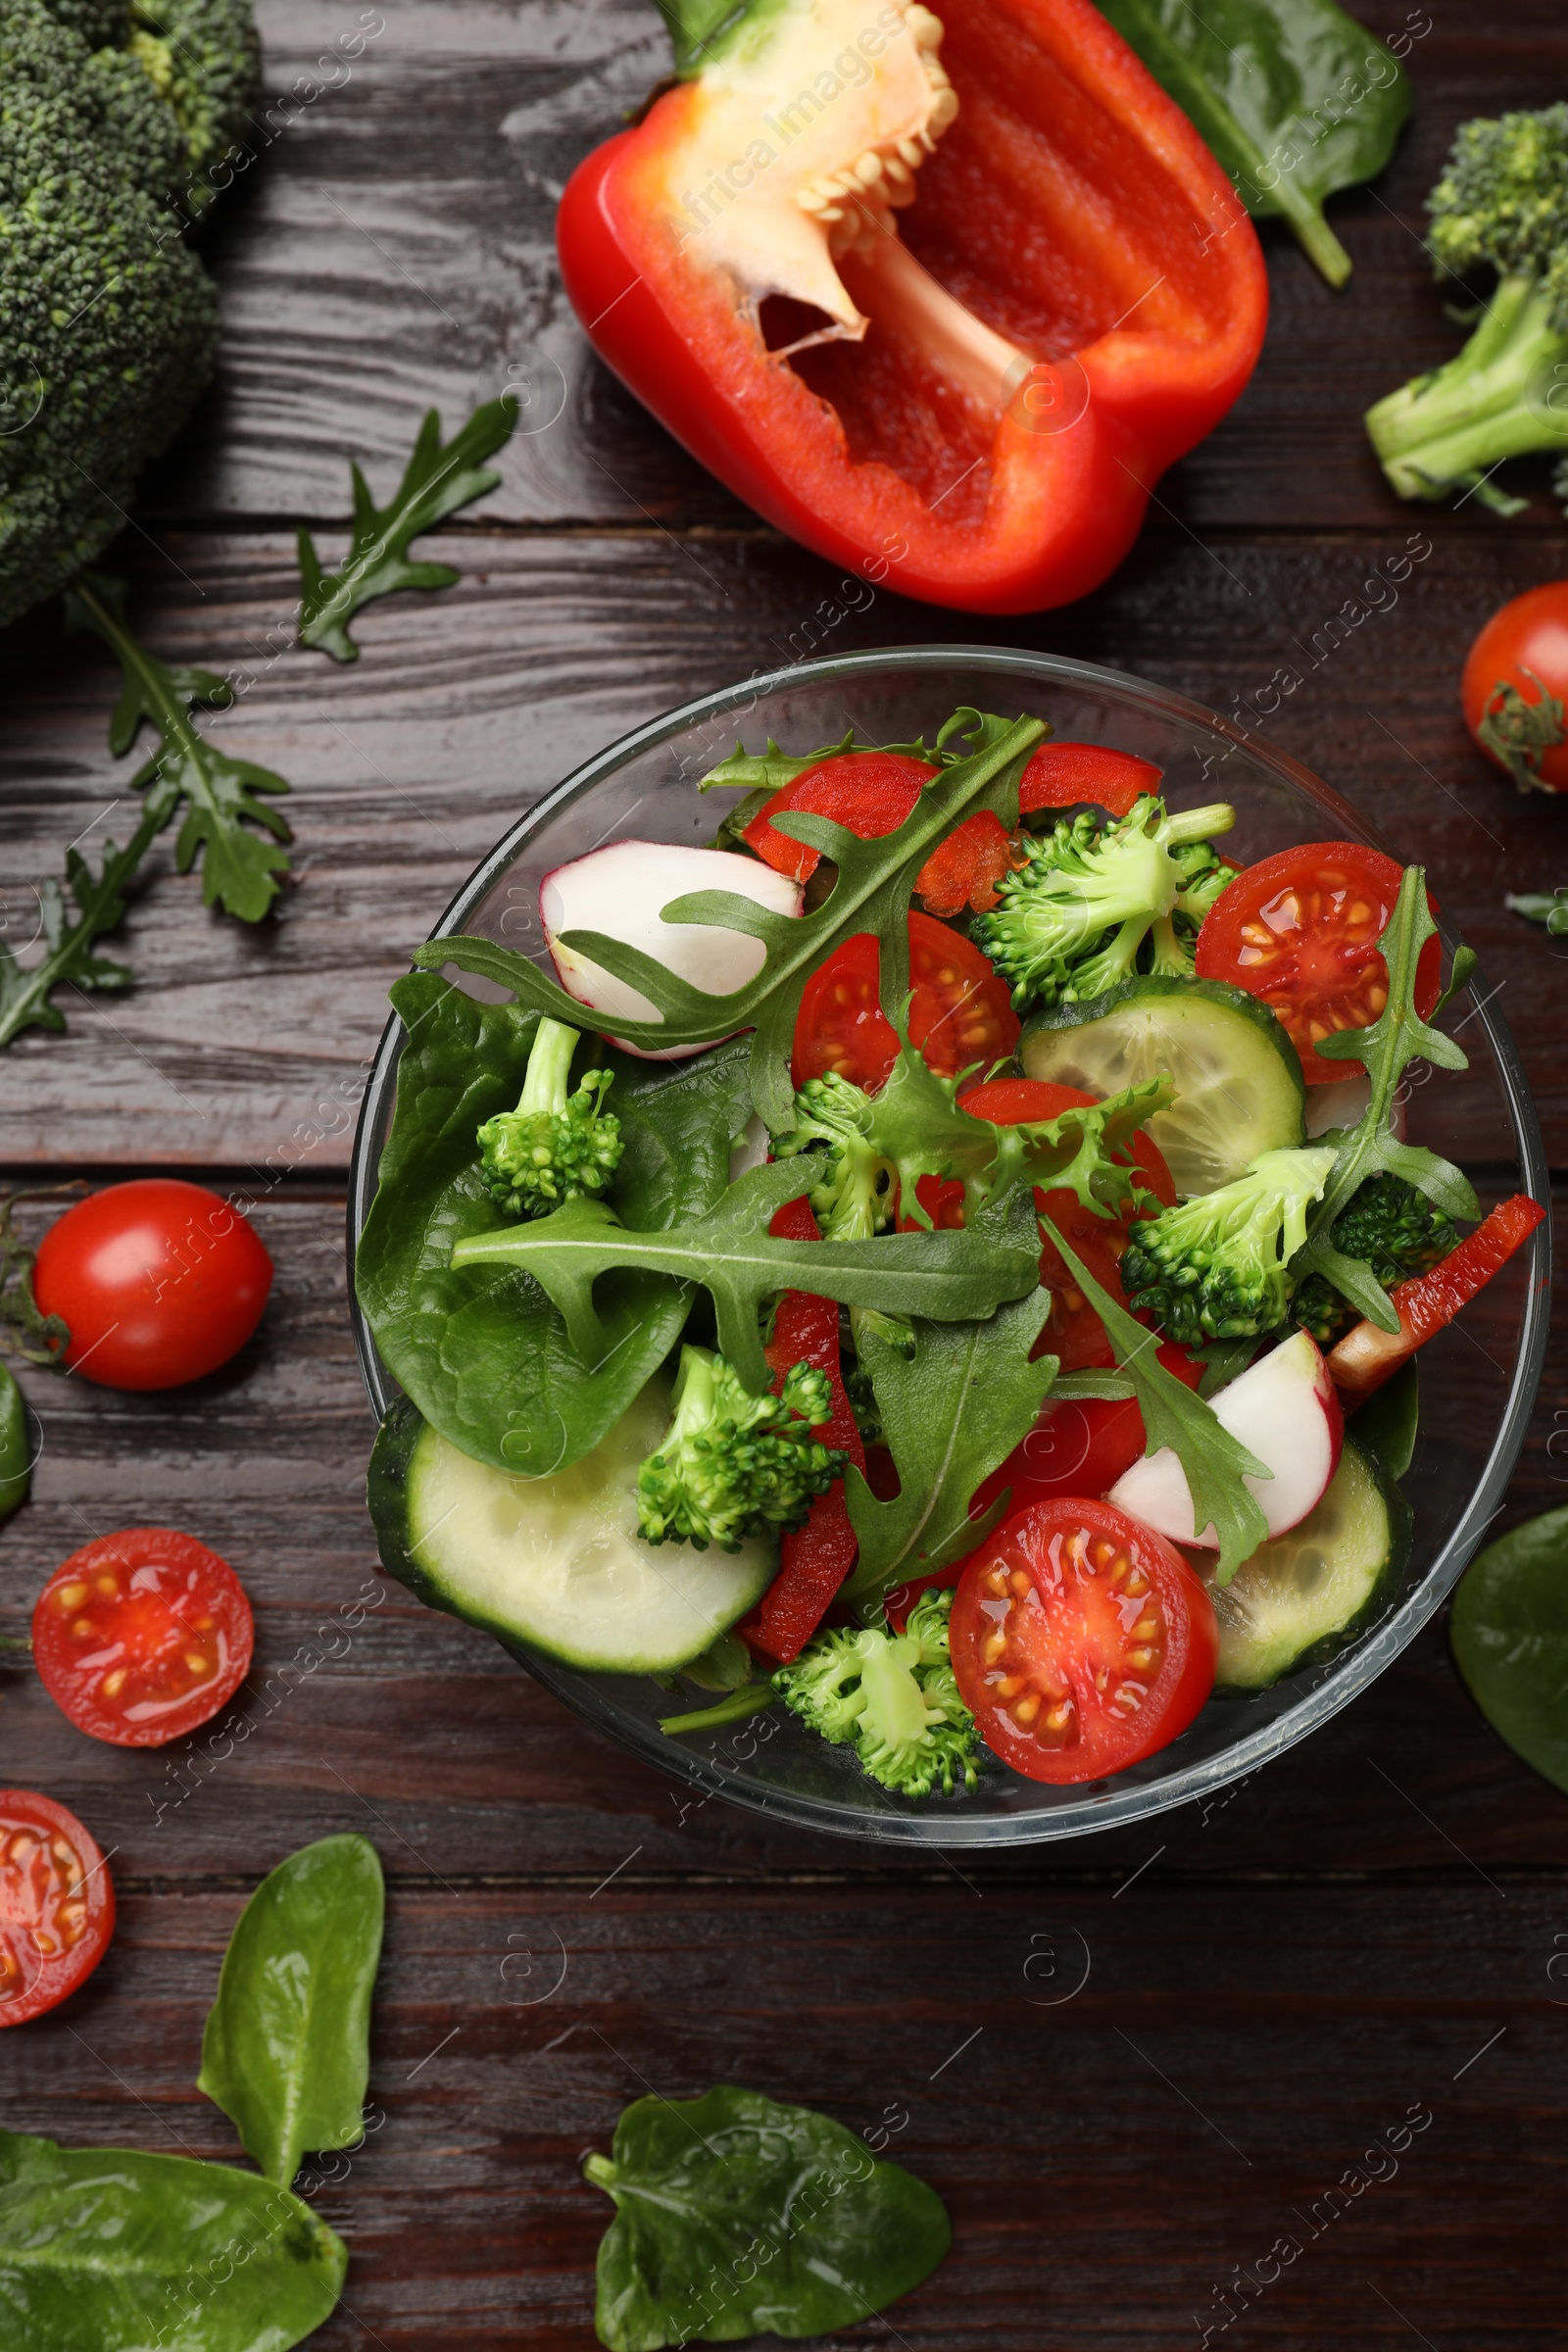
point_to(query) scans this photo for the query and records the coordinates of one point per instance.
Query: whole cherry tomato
(158, 1281)
(1515, 688)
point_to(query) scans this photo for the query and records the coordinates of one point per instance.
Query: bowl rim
(1360, 1667)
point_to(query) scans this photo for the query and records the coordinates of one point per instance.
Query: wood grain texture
(1154, 2089)
(250, 1045)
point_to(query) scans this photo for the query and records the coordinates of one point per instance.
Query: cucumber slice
(1302, 1597)
(1238, 1080)
(557, 1563)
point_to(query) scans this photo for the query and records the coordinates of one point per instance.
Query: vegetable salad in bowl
(895, 1257)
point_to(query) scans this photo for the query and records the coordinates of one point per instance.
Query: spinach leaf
(1213, 1462)
(480, 1349)
(107, 2249)
(1396, 1037)
(871, 892)
(1390, 1418)
(286, 2050)
(16, 1446)
(436, 483)
(236, 835)
(1510, 1640)
(1294, 98)
(950, 1277)
(736, 2216)
(953, 1412)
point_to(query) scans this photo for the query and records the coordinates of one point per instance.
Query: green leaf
(286, 2050)
(108, 2250)
(730, 1253)
(1214, 1463)
(1388, 1420)
(480, 1350)
(1294, 98)
(26, 996)
(16, 1446)
(953, 1412)
(436, 483)
(1537, 907)
(736, 2216)
(224, 823)
(1462, 972)
(768, 772)
(733, 1707)
(38, 1339)
(871, 892)
(1398, 1037)
(1510, 1640)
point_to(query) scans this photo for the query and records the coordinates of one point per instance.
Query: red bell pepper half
(1368, 1355)
(942, 305)
(816, 1557)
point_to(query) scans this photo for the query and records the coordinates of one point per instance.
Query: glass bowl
(1479, 1379)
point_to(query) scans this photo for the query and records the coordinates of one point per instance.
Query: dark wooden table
(1273, 1982)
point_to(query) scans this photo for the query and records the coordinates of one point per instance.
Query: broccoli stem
(544, 1087)
(1485, 405)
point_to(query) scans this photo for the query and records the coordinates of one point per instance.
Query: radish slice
(1285, 1410)
(620, 890)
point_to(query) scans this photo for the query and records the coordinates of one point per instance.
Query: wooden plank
(250, 1045)
(1121, 2100)
(365, 1710)
(393, 247)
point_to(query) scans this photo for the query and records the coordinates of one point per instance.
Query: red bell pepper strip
(972, 399)
(817, 1556)
(962, 873)
(869, 792)
(1367, 1355)
(1061, 774)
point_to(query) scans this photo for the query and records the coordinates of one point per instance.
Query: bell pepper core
(943, 307)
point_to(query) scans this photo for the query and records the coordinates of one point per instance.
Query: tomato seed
(1009, 1686)
(1018, 1584)
(1137, 1583)
(112, 1684)
(994, 1644)
(1026, 1709)
(84, 1629)
(197, 1663)
(1143, 1659)
(108, 1586)
(71, 1597)
(1146, 1628)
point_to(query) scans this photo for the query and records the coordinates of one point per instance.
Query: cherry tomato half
(1523, 648)
(1082, 1641)
(1060, 776)
(869, 792)
(1301, 931)
(960, 1014)
(142, 1635)
(157, 1282)
(57, 1906)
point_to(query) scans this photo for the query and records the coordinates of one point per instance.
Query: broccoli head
(108, 322)
(733, 1464)
(555, 1147)
(895, 1697)
(1396, 1230)
(1501, 203)
(1215, 1268)
(1093, 904)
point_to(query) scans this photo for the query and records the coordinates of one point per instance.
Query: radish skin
(620, 889)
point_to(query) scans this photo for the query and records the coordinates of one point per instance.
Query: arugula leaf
(285, 2052)
(1396, 1037)
(436, 483)
(768, 772)
(953, 1412)
(871, 892)
(224, 822)
(1214, 1463)
(736, 2216)
(111, 2248)
(1537, 907)
(950, 1277)
(1460, 974)
(26, 996)
(482, 1352)
(1285, 93)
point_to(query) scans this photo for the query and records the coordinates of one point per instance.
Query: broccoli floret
(1074, 919)
(856, 1187)
(555, 1147)
(108, 322)
(1396, 1230)
(1502, 202)
(1215, 1268)
(733, 1464)
(895, 1697)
